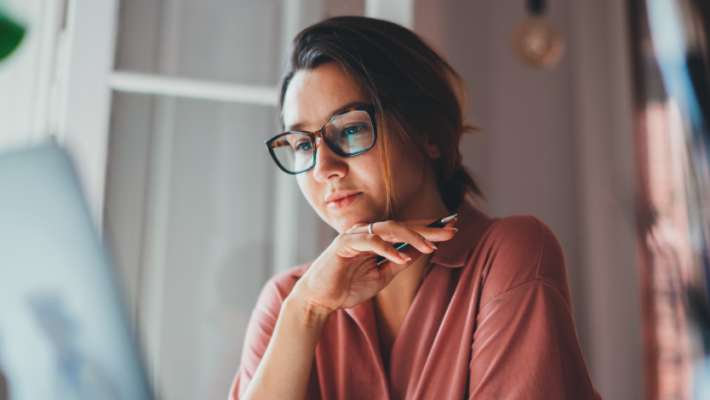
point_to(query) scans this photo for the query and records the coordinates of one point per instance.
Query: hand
(346, 273)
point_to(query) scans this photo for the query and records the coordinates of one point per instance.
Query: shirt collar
(471, 223)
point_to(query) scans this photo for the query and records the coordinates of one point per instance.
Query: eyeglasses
(348, 134)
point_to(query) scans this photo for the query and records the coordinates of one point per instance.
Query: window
(193, 204)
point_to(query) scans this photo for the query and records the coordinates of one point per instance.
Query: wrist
(308, 312)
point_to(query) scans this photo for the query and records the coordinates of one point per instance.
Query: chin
(342, 223)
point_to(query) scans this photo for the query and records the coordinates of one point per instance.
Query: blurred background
(164, 106)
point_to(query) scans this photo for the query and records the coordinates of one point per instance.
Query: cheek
(309, 187)
(368, 170)
(314, 193)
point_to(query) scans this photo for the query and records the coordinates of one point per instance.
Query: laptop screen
(63, 331)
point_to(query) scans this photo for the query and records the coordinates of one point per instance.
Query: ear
(432, 149)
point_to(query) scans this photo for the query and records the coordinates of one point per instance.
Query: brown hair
(412, 88)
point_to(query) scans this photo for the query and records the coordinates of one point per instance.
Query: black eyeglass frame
(370, 109)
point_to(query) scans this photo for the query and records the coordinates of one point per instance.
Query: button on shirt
(491, 320)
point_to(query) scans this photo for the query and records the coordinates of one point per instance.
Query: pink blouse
(491, 320)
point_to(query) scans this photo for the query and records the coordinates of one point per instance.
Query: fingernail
(430, 244)
(451, 229)
(405, 257)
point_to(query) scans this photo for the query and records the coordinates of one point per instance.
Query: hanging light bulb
(536, 42)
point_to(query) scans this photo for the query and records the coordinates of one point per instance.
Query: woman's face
(346, 190)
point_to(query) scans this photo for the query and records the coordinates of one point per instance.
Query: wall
(557, 145)
(26, 76)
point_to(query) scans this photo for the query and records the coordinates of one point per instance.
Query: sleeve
(259, 330)
(525, 343)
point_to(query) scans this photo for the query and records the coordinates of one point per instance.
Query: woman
(477, 309)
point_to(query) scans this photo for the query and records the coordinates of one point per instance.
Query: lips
(341, 199)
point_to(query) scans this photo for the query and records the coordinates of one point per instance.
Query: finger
(451, 223)
(435, 234)
(389, 270)
(358, 228)
(394, 232)
(420, 236)
(413, 253)
(362, 243)
(363, 228)
(418, 222)
(425, 222)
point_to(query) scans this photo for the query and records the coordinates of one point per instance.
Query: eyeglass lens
(351, 133)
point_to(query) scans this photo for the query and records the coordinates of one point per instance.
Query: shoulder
(520, 238)
(277, 289)
(518, 250)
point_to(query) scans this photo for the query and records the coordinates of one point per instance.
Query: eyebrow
(341, 110)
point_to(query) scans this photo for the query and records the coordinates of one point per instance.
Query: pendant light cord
(536, 7)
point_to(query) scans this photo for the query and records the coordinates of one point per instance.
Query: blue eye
(303, 146)
(352, 130)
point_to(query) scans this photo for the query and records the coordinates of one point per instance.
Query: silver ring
(369, 229)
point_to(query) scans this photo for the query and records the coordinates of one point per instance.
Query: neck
(394, 301)
(427, 204)
(399, 294)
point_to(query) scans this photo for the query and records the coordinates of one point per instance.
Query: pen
(436, 224)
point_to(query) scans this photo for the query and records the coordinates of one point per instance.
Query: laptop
(63, 330)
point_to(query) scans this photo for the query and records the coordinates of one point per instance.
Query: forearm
(284, 370)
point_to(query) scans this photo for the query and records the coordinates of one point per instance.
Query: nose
(328, 164)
